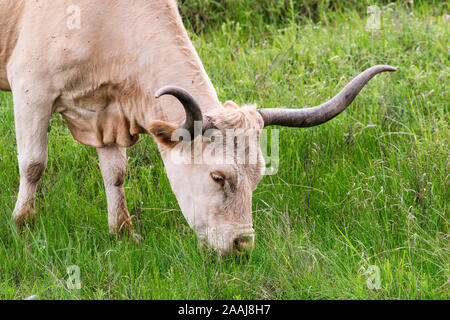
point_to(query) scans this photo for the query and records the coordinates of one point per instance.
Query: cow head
(215, 166)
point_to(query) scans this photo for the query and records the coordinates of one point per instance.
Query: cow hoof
(126, 232)
(24, 217)
(136, 237)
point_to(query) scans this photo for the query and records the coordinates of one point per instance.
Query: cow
(116, 69)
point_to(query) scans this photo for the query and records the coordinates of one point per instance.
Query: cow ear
(162, 131)
(230, 104)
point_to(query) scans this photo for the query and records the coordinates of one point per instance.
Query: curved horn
(191, 107)
(314, 116)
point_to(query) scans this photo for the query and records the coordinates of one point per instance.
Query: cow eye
(218, 178)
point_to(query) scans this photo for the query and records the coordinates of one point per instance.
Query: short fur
(102, 77)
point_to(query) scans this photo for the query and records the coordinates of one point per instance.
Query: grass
(368, 188)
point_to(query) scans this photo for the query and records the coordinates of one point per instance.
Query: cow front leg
(113, 164)
(32, 116)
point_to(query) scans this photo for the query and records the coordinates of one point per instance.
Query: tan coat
(99, 64)
(104, 73)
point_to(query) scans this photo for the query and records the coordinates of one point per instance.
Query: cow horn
(191, 107)
(314, 116)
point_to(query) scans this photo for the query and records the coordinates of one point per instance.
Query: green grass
(371, 187)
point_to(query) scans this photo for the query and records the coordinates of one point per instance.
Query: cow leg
(113, 163)
(32, 112)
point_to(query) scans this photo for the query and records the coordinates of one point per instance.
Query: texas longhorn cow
(102, 77)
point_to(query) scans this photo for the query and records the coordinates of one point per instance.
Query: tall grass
(369, 188)
(204, 15)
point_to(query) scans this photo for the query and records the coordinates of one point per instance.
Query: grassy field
(369, 188)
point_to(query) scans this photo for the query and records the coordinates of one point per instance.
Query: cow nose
(243, 243)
